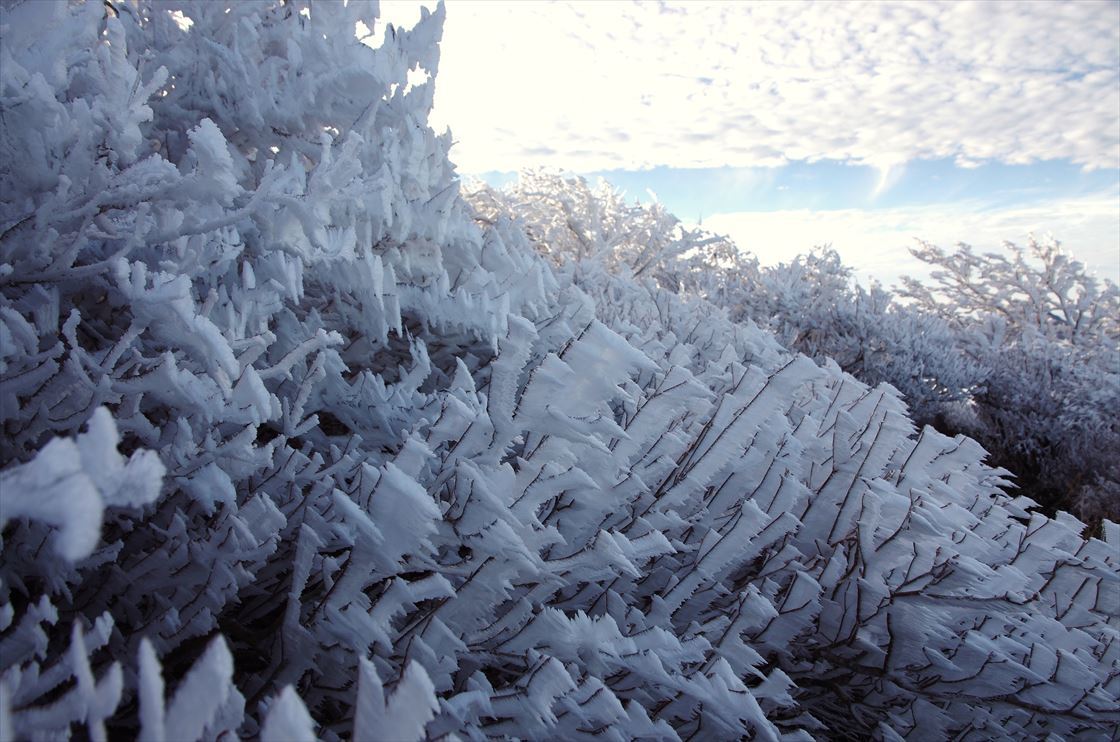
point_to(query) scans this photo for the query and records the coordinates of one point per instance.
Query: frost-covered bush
(815, 307)
(293, 448)
(1019, 352)
(846, 663)
(812, 303)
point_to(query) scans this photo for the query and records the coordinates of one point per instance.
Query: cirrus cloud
(612, 85)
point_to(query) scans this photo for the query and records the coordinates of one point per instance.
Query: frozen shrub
(299, 450)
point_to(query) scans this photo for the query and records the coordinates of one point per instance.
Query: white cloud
(875, 242)
(605, 85)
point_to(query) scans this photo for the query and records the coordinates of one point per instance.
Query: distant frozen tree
(1038, 287)
(1048, 335)
(566, 218)
(300, 450)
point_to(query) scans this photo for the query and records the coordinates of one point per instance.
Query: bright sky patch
(797, 107)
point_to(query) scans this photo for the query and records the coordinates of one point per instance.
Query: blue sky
(693, 193)
(788, 124)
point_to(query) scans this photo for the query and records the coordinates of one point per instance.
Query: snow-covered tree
(565, 218)
(1048, 336)
(294, 447)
